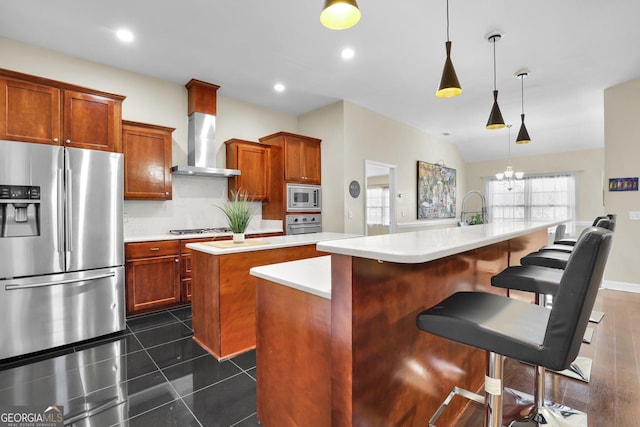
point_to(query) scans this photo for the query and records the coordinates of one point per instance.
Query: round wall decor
(354, 189)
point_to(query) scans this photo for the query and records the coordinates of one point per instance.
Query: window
(378, 206)
(544, 197)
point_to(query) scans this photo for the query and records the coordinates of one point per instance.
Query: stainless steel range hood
(201, 141)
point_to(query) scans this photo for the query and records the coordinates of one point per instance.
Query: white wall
(622, 159)
(350, 135)
(327, 124)
(164, 103)
(587, 164)
(371, 136)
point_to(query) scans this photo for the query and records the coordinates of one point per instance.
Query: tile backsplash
(194, 204)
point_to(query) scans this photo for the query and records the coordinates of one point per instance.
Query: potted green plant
(477, 218)
(238, 211)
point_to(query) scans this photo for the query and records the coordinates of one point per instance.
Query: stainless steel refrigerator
(61, 246)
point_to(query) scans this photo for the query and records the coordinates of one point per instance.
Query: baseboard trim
(621, 286)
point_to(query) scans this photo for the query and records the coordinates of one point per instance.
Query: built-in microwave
(303, 198)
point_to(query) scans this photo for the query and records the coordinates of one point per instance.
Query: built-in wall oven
(303, 224)
(304, 198)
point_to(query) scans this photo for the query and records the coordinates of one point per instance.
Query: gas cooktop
(201, 230)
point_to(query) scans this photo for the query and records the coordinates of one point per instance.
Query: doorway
(380, 203)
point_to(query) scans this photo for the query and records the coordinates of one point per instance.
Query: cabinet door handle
(154, 249)
(166, 193)
(68, 141)
(177, 260)
(55, 139)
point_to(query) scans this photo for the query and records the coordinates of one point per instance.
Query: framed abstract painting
(436, 191)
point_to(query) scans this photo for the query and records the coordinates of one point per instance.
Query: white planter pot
(238, 237)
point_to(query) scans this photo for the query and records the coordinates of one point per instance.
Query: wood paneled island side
(223, 293)
(381, 370)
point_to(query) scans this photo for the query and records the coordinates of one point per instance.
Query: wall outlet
(634, 215)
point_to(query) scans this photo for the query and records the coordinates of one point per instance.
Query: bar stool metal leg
(493, 390)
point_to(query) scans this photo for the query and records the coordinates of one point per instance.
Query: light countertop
(266, 243)
(167, 236)
(312, 275)
(427, 245)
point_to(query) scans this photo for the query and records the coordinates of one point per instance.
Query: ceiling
(573, 48)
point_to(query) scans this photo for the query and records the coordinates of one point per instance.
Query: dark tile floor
(153, 374)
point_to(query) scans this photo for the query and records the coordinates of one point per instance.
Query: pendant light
(523, 135)
(340, 14)
(449, 84)
(508, 177)
(495, 118)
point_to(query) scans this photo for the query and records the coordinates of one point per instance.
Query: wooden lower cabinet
(159, 273)
(185, 265)
(153, 275)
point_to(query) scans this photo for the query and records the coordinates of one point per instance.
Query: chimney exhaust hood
(201, 142)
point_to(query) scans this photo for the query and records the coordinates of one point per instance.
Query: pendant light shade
(495, 117)
(449, 84)
(523, 134)
(340, 14)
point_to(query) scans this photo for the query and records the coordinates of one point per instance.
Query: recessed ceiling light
(445, 134)
(347, 53)
(124, 35)
(279, 87)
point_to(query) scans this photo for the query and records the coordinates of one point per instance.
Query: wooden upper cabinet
(29, 112)
(253, 160)
(92, 121)
(147, 161)
(34, 109)
(301, 156)
(302, 160)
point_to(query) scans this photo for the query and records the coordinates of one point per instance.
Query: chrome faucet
(463, 212)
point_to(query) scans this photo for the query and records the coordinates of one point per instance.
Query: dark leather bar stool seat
(550, 259)
(530, 333)
(607, 223)
(529, 278)
(553, 257)
(572, 240)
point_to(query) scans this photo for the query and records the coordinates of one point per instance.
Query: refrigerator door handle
(67, 218)
(59, 282)
(60, 224)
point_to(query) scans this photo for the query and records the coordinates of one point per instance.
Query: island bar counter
(223, 293)
(383, 370)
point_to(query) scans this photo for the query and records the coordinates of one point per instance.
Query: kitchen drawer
(152, 249)
(184, 243)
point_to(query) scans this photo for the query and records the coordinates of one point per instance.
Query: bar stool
(557, 245)
(543, 281)
(533, 334)
(557, 255)
(572, 240)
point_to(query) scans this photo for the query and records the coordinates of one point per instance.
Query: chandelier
(509, 177)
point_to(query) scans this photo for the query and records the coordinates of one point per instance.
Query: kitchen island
(370, 364)
(223, 293)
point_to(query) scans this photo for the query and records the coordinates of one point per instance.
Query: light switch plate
(634, 215)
